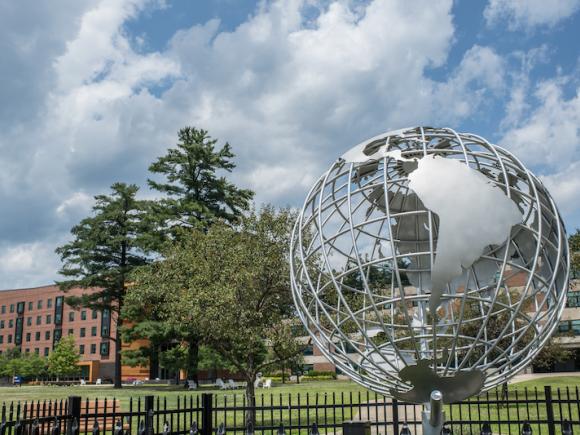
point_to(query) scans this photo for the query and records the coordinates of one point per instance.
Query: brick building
(34, 319)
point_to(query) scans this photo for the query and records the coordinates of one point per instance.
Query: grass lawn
(324, 392)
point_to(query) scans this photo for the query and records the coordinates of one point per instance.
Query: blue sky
(91, 91)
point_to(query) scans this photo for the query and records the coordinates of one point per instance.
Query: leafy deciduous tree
(64, 359)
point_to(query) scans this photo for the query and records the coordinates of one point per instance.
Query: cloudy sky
(91, 91)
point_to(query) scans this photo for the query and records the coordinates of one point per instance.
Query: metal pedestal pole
(433, 415)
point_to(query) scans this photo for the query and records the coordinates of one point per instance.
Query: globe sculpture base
(425, 380)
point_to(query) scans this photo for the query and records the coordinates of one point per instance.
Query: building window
(29, 321)
(11, 308)
(71, 332)
(28, 336)
(37, 335)
(3, 309)
(71, 316)
(47, 335)
(30, 306)
(46, 351)
(20, 307)
(39, 305)
(38, 320)
(104, 350)
(83, 315)
(105, 323)
(36, 350)
(9, 338)
(83, 332)
(93, 331)
(93, 348)
(82, 349)
(48, 319)
(49, 303)
(11, 323)
(308, 350)
(573, 299)
(56, 336)
(1, 324)
(27, 350)
(94, 314)
(58, 307)
(1, 339)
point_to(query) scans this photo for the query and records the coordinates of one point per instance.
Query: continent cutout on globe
(473, 213)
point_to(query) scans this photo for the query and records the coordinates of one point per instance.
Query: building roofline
(28, 288)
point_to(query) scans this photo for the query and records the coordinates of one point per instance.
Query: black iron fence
(519, 411)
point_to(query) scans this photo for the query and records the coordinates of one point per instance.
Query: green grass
(321, 392)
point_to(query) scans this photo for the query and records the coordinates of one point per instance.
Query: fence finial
(281, 430)
(221, 430)
(35, 427)
(166, 428)
(142, 429)
(250, 428)
(55, 427)
(446, 430)
(405, 430)
(96, 429)
(314, 429)
(486, 429)
(567, 428)
(193, 429)
(119, 427)
(527, 429)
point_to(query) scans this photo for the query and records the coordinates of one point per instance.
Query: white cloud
(549, 135)
(526, 14)
(77, 203)
(565, 187)
(28, 264)
(290, 93)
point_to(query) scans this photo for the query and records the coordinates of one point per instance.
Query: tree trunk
(250, 401)
(283, 373)
(193, 359)
(118, 353)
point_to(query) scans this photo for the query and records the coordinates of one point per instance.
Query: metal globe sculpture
(429, 260)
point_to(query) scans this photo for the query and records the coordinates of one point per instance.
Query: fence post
(74, 410)
(549, 410)
(395, 405)
(149, 401)
(206, 414)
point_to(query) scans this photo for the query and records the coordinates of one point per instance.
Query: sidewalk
(532, 376)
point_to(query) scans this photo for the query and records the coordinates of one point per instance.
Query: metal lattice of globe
(426, 259)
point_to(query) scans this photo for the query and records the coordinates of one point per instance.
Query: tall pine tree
(105, 248)
(195, 194)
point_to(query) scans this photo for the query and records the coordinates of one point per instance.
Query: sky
(92, 91)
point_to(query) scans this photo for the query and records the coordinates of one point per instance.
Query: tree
(106, 247)
(232, 284)
(174, 359)
(64, 359)
(29, 365)
(552, 352)
(285, 349)
(194, 196)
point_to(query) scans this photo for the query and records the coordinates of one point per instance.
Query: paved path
(533, 376)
